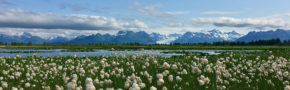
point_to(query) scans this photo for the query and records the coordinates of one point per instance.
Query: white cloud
(218, 13)
(44, 33)
(153, 10)
(178, 12)
(150, 10)
(175, 24)
(4, 2)
(262, 23)
(26, 19)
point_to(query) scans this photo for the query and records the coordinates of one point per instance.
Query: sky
(71, 18)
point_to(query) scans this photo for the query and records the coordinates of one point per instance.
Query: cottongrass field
(267, 70)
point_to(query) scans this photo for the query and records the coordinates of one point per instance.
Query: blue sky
(76, 17)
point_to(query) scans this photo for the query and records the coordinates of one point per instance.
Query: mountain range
(266, 35)
(209, 36)
(152, 38)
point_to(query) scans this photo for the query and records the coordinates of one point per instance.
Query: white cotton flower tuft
(4, 84)
(142, 85)
(178, 78)
(285, 74)
(72, 85)
(174, 66)
(58, 87)
(184, 72)
(159, 76)
(89, 84)
(153, 88)
(164, 88)
(14, 88)
(27, 85)
(204, 61)
(160, 82)
(97, 81)
(287, 87)
(127, 84)
(201, 82)
(170, 78)
(135, 86)
(17, 74)
(165, 65)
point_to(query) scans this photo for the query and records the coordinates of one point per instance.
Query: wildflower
(184, 72)
(165, 73)
(4, 84)
(201, 82)
(153, 88)
(166, 65)
(159, 76)
(75, 76)
(79, 88)
(204, 61)
(58, 87)
(178, 78)
(127, 84)
(135, 86)
(89, 84)
(285, 74)
(96, 81)
(174, 66)
(170, 78)
(218, 73)
(164, 88)
(160, 82)
(14, 88)
(287, 87)
(72, 85)
(27, 85)
(17, 74)
(142, 85)
(206, 80)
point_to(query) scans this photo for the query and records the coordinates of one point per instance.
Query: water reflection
(59, 52)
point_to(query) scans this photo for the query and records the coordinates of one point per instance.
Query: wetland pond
(103, 52)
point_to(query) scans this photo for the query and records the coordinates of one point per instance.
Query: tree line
(276, 41)
(239, 43)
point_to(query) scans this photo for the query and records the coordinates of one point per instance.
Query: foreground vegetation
(229, 70)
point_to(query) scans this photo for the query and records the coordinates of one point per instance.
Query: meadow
(264, 70)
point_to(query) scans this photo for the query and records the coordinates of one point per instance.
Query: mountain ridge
(143, 37)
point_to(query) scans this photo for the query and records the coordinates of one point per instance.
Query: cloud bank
(13, 18)
(153, 10)
(263, 23)
(4, 2)
(218, 13)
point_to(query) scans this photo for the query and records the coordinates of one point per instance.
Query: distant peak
(233, 32)
(214, 31)
(280, 30)
(123, 32)
(27, 34)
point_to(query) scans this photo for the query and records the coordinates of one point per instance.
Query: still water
(62, 52)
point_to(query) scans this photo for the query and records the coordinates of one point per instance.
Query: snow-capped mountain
(207, 36)
(120, 38)
(27, 37)
(128, 37)
(165, 39)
